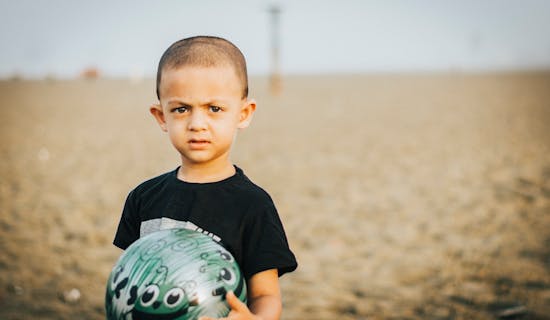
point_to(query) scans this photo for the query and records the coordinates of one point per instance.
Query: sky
(126, 38)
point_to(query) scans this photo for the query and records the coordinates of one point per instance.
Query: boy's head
(202, 89)
(204, 51)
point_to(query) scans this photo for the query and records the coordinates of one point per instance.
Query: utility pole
(275, 81)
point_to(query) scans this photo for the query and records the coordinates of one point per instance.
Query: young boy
(202, 88)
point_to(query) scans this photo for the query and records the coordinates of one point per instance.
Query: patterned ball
(173, 274)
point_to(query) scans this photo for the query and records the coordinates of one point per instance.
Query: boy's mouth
(198, 143)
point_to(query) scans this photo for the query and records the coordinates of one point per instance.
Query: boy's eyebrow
(201, 103)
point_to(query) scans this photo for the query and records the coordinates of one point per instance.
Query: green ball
(173, 274)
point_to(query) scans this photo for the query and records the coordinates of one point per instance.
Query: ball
(173, 274)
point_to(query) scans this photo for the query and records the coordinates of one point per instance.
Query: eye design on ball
(227, 275)
(150, 295)
(226, 256)
(173, 297)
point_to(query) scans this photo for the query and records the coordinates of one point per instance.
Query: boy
(202, 88)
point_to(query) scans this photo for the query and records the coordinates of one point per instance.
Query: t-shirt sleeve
(128, 227)
(266, 246)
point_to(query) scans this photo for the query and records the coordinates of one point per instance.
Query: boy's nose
(197, 121)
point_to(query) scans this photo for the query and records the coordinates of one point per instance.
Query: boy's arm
(264, 299)
(264, 295)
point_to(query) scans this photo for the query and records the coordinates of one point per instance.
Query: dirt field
(403, 196)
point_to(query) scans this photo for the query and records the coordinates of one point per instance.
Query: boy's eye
(215, 109)
(181, 109)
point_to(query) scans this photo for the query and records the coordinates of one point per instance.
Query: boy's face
(201, 109)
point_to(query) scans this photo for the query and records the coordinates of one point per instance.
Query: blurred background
(405, 143)
(126, 38)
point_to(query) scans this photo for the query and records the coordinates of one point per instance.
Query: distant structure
(15, 76)
(90, 73)
(275, 81)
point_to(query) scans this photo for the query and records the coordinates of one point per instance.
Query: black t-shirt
(235, 212)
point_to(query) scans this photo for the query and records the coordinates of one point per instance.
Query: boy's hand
(239, 310)
(264, 299)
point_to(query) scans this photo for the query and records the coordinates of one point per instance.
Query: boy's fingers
(234, 302)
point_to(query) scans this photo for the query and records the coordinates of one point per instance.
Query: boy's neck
(201, 174)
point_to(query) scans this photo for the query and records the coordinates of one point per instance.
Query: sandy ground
(403, 196)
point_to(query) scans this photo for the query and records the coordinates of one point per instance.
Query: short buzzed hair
(204, 51)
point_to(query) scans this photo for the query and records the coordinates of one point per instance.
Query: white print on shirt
(164, 223)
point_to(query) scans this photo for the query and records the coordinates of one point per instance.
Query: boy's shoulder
(155, 183)
(250, 189)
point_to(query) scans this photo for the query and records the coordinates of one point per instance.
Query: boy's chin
(196, 161)
(198, 158)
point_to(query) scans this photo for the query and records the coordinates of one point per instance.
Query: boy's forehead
(212, 76)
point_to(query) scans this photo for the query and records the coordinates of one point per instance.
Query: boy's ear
(247, 111)
(156, 111)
